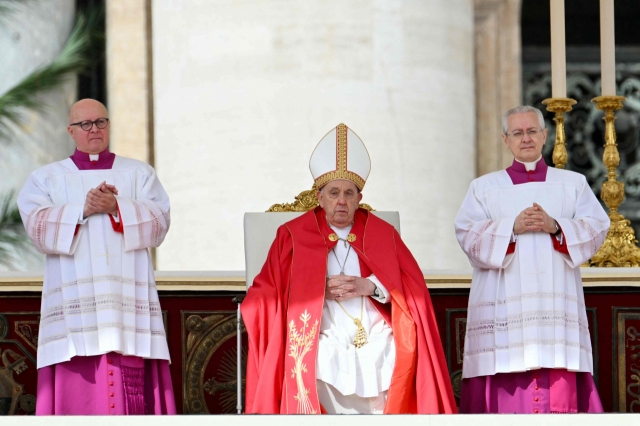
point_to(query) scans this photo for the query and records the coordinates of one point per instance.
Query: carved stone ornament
(305, 201)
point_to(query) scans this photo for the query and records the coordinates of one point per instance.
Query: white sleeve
(384, 293)
(146, 218)
(484, 239)
(587, 230)
(50, 227)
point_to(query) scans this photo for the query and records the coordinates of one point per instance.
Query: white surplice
(99, 292)
(526, 309)
(365, 372)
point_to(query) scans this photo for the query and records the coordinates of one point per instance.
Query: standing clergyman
(102, 347)
(526, 231)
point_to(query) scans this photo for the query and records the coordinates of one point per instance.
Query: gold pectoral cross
(361, 335)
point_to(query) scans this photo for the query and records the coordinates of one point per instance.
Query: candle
(607, 49)
(558, 56)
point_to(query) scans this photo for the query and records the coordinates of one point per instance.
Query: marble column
(130, 79)
(498, 77)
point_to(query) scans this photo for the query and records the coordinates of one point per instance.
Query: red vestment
(283, 310)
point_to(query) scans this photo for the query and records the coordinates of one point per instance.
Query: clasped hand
(101, 199)
(534, 219)
(343, 287)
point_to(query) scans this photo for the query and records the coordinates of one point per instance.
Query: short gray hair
(520, 110)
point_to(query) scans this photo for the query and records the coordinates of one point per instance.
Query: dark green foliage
(72, 59)
(12, 234)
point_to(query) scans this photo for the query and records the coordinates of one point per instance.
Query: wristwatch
(376, 292)
(558, 230)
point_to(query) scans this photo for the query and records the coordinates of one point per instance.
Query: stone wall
(244, 91)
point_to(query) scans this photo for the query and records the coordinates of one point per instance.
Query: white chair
(259, 233)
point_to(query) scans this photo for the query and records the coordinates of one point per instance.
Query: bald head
(94, 140)
(80, 109)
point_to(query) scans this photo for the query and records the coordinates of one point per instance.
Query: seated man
(102, 348)
(340, 319)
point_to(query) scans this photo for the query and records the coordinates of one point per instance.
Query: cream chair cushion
(260, 231)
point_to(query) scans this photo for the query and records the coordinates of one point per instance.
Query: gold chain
(361, 334)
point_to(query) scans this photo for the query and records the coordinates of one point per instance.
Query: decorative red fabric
(283, 309)
(557, 245)
(117, 226)
(560, 246)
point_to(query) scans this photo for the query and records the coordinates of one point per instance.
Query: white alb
(526, 309)
(99, 293)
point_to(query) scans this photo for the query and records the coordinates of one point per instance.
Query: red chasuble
(283, 310)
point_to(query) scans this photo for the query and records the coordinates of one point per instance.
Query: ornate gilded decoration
(9, 387)
(333, 237)
(28, 331)
(626, 356)
(205, 337)
(559, 106)
(305, 201)
(300, 343)
(619, 248)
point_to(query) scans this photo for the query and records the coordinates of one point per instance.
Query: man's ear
(359, 196)
(319, 197)
(70, 130)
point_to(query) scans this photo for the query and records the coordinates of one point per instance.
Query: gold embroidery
(341, 171)
(300, 343)
(340, 174)
(341, 150)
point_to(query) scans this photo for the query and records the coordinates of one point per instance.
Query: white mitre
(340, 154)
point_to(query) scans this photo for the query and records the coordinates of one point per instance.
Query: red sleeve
(117, 226)
(560, 246)
(511, 248)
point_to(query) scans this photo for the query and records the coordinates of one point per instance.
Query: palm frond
(12, 235)
(72, 59)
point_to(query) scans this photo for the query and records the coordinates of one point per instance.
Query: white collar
(529, 166)
(94, 157)
(342, 232)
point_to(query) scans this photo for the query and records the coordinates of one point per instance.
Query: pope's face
(92, 141)
(339, 199)
(524, 137)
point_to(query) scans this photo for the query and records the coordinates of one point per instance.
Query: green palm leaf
(12, 235)
(72, 59)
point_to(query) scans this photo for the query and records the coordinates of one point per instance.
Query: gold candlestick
(619, 248)
(559, 106)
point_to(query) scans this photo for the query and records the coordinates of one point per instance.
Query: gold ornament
(360, 338)
(305, 201)
(351, 238)
(559, 106)
(333, 237)
(619, 248)
(361, 335)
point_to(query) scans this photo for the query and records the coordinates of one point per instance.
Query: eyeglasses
(87, 125)
(518, 134)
